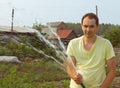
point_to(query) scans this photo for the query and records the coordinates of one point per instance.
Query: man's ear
(98, 27)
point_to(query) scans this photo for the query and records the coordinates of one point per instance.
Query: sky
(28, 12)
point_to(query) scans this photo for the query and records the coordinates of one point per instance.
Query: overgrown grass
(40, 74)
(32, 75)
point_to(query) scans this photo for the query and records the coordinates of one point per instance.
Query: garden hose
(83, 86)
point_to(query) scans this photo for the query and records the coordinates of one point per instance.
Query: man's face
(89, 27)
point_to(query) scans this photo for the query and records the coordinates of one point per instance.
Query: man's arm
(71, 66)
(71, 70)
(111, 73)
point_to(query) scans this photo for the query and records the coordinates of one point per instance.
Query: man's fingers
(78, 78)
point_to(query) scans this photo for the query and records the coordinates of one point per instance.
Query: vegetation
(23, 46)
(114, 36)
(76, 27)
(40, 74)
(37, 26)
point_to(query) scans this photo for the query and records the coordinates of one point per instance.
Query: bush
(25, 46)
(114, 36)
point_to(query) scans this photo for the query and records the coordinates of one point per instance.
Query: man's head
(90, 25)
(91, 16)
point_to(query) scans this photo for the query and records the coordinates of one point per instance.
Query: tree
(114, 36)
(37, 26)
(76, 27)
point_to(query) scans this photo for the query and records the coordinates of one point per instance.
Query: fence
(117, 53)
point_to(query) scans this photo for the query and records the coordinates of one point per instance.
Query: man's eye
(85, 26)
(91, 26)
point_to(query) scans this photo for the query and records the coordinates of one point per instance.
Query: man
(91, 54)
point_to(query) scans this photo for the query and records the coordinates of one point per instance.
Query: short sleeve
(109, 50)
(70, 49)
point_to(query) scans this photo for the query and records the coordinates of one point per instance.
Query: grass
(41, 74)
(30, 74)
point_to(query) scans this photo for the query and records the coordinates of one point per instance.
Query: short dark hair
(91, 16)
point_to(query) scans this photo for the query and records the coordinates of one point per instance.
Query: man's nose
(88, 28)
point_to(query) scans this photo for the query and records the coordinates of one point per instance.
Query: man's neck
(89, 40)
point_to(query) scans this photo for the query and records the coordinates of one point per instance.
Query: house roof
(63, 33)
(55, 24)
(16, 29)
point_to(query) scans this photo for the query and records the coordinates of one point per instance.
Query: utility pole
(96, 10)
(12, 19)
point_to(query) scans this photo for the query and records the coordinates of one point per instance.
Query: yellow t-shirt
(90, 64)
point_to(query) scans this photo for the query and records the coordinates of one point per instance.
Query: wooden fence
(117, 53)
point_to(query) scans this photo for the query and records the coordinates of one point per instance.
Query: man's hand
(78, 78)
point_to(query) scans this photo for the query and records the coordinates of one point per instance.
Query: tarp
(9, 59)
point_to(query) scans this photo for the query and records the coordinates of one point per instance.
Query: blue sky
(28, 12)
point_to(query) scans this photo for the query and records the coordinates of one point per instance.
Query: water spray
(61, 53)
(67, 56)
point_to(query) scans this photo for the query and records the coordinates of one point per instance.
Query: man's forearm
(70, 66)
(71, 71)
(108, 80)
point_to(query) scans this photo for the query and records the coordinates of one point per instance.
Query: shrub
(114, 36)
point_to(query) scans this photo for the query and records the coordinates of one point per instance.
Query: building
(58, 28)
(58, 25)
(52, 28)
(16, 30)
(6, 34)
(65, 35)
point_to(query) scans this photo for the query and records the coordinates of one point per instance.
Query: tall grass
(32, 75)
